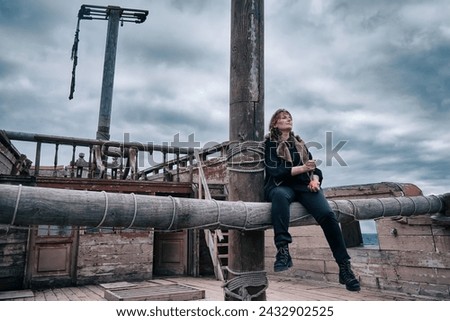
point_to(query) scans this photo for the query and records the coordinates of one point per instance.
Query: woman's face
(284, 122)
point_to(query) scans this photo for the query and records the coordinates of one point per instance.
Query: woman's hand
(308, 167)
(314, 185)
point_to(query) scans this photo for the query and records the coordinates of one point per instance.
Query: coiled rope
(237, 287)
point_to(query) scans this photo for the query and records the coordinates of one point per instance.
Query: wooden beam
(180, 189)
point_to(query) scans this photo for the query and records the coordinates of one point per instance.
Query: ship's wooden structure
(411, 256)
(104, 219)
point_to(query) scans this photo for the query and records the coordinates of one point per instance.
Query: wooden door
(52, 253)
(170, 253)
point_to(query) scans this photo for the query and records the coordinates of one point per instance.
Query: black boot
(283, 259)
(347, 277)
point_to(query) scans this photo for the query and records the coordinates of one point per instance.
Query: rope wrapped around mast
(246, 157)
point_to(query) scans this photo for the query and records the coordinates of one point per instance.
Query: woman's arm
(276, 167)
(308, 167)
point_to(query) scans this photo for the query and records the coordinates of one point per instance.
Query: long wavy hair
(274, 132)
(282, 149)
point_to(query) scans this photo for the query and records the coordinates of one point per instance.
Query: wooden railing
(125, 156)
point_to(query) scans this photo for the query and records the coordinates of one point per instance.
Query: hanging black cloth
(74, 56)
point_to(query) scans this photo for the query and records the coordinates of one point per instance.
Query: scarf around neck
(283, 148)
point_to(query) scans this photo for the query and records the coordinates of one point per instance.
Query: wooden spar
(104, 115)
(25, 206)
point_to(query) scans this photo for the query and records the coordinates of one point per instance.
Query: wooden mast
(246, 252)
(104, 116)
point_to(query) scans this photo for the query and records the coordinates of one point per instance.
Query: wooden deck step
(19, 294)
(168, 292)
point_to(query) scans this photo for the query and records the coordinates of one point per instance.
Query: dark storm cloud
(373, 73)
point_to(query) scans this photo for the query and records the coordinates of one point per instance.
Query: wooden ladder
(217, 240)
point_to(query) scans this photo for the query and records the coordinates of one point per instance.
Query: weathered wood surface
(108, 257)
(117, 186)
(13, 244)
(11, 161)
(246, 124)
(24, 206)
(169, 292)
(281, 289)
(18, 294)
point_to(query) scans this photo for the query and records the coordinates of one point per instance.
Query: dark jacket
(278, 171)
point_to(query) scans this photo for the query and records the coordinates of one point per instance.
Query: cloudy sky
(372, 76)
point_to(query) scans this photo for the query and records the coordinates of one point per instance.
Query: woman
(291, 175)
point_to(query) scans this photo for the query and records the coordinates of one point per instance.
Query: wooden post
(246, 252)
(37, 163)
(104, 117)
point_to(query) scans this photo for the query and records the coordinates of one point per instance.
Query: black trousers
(317, 205)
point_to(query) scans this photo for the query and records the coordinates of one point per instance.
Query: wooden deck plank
(280, 289)
(91, 295)
(323, 291)
(96, 289)
(39, 296)
(60, 295)
(213, 288)
(49, 295)
(79, 293)
(70, 294)
(19, 294)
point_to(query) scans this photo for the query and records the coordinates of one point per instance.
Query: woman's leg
(317, 205)
(281, 198)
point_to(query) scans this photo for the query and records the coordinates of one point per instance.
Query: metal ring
(135, 211)
(382, 205)
(400, 203)
(218, 211)
(106, 209)
(19, 193)
(415, 205)
(173, 213)
(246, 214)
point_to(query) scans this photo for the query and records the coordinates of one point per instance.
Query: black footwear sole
(356, 288)
(282, 268)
